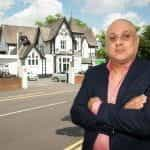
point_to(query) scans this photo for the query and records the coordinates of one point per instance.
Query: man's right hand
(136, 102)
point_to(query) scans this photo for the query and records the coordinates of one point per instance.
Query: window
(63, 44)
(23, 62)
(29, 60)
(51, 48)
(2, 52)
(64, 64)
(76, 45)
(60, 64)
(33, 59)
(36, 60)
(64, 67)
(64, 60)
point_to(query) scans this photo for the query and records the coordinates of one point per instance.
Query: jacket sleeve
(79, 112)
(135, 122)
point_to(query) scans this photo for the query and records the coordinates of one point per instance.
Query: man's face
(121, 42)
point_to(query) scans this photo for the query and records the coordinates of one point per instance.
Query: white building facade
(46, 50)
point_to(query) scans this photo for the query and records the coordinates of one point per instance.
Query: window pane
(64, 67)
(29, 61)
(36, 61)
(32, 61)
(64, 59)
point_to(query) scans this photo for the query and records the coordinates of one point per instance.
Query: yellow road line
(75, 146)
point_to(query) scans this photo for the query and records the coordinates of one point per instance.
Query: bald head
(121, 22)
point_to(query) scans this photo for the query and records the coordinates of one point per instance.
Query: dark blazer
(128, 129)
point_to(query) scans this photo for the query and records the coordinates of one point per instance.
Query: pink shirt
(102, 140)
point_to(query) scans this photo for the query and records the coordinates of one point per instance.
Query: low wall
(10, 83)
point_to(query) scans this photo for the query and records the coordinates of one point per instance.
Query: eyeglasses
(124, 37)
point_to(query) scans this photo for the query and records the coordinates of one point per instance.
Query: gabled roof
(75, 27)
(89, 35)
(50, 32)
(85, 31)
(9, 33)
(25, 50)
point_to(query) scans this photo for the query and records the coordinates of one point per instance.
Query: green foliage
(80, 23)
(49, 19)
(146, 32)
(101, 53)
(101, 38)
(39, 23)
(144, 47)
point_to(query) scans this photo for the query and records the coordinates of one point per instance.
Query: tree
(101, 52)
(144, 47)
(39, 23)
(80, 23)
(49, 19)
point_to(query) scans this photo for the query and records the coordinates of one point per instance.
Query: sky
(97, 14)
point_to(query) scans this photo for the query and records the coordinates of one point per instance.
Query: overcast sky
(96, 13)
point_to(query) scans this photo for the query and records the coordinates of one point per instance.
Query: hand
(94, 104)
(136, 102)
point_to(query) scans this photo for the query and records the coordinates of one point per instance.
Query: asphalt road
(38, 118)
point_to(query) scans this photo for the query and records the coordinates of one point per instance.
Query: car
(59, 77)
(32, 76)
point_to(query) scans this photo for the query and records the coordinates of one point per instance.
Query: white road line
(34, 95)
(29, 93)
(32, 108)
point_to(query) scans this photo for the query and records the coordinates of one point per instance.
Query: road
(38, 118)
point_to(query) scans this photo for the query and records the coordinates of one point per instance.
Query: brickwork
(10, 84)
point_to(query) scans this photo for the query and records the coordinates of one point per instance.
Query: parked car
(32, 76)
(59, 77)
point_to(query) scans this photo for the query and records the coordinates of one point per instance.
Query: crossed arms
(132, 118)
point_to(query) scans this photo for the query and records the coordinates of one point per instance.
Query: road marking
(32, 108)
(31, 92)
(34, 95)
(75, 146)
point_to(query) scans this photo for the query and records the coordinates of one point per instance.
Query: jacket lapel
(101, 83)
(133, 73)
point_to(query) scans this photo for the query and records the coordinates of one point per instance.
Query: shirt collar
(125, 66)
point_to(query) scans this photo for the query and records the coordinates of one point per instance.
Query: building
(46, 50)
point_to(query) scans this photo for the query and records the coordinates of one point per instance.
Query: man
(112, 104)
